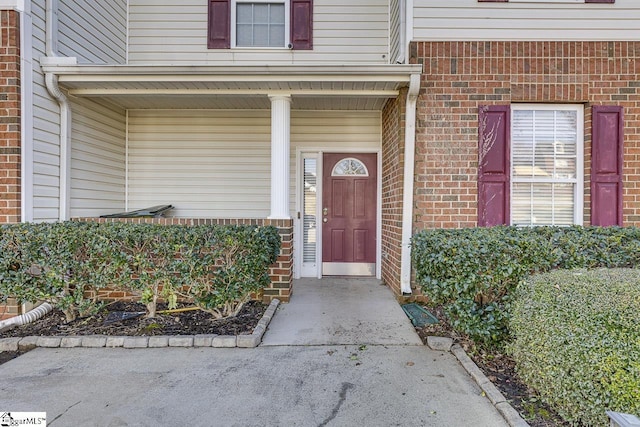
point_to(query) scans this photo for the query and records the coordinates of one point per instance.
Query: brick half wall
(460, 76)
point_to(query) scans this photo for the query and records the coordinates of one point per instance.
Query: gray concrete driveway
(265, 386)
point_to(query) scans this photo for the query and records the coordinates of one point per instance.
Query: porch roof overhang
(234, 87)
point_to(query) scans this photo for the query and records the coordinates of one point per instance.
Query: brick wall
(281, 271)
(460, 76)
(9, 117)
(392, 189)
(9, 130)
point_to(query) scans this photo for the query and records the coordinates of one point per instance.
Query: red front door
(349, 214)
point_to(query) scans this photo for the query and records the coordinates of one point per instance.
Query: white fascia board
(242, 73)
(268, 92)
(18, 5)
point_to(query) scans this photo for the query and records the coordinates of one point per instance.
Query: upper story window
(260, 24)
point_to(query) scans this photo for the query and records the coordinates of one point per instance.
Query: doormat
(418, 315)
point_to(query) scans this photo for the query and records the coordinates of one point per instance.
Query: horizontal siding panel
(169, 32)
(97, 159)
(205, 163)
(470, 20)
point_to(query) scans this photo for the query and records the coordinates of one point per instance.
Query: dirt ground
(182, 323)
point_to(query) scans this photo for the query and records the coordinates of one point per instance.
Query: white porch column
(280, 142)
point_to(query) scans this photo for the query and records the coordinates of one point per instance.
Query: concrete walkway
(340, 311)
(347, 384)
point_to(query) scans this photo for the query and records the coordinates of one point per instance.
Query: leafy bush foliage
(577, 341)
(55, 262)
(473, 272)
(241, 255)
(66, 264)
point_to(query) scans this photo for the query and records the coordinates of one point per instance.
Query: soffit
(311, 87)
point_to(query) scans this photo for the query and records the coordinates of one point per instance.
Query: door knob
(325, 219)
(325, 211)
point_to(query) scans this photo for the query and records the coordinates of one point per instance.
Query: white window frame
(287, 24)
(578, 209)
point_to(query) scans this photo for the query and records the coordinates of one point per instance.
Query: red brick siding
(392, 190)
(9, 117)
(281, 271)
(10, 161)
(460, 76)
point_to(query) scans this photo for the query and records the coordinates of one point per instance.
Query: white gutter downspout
(407, 193)
(51, 81)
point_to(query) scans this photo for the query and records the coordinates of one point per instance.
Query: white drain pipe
(51, 81)
(27, 317)
(407, 195)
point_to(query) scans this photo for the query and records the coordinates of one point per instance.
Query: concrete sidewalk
(340, 311)
(380, 380)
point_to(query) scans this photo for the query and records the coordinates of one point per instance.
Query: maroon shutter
(606, 165)
(493, 165)
(302, 24)
(219, 30)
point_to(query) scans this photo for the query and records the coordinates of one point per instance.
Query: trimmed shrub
(577, 341)
(241, 255)
(58, 263)
(66, 264)
(473, 272)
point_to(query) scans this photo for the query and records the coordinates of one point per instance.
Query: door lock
(325, 219)
(325, 211)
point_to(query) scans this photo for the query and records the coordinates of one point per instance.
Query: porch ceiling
(235, 87)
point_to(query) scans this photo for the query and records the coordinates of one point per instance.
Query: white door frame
(308, 152)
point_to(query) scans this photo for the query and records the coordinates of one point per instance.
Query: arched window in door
(349, 166)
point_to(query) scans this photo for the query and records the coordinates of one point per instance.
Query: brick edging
(497, 399)
(157, 341)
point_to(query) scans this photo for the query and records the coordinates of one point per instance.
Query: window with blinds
(546, 164)
(309, 225)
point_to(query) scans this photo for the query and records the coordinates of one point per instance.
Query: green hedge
(577, 341)
(473, 272)
(67, 263)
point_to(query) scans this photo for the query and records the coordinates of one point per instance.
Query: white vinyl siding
(169, 32)
(394, 30)
(93, 31)
(104, 43)
(216, 163)
(471, 20)
(46, 131)
(97, 159)
(546, 164)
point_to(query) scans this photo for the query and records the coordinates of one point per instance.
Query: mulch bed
(501, 371)
(183, 323)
